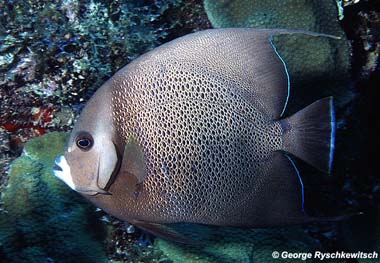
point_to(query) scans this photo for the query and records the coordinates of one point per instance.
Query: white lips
(65, 174)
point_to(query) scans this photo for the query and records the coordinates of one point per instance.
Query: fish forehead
(193, 128)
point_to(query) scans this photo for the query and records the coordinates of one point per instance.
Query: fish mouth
(92, 192)
(61, 170)
(57, 168)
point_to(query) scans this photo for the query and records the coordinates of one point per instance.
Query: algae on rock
(42, 219)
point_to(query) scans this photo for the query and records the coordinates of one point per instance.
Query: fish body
(192, 132)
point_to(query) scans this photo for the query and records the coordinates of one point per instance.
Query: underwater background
(55, 54)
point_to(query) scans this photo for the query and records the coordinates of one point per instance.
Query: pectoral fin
(133, 166)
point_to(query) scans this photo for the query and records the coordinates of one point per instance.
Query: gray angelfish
(192, 132)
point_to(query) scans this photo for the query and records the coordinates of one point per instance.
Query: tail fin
(309, 134)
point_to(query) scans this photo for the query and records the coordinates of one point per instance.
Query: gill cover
(108, 164)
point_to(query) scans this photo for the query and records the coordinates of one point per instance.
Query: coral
(318, 66)
(237, 245)
(128, 244)
(43, 220)
(365, 38)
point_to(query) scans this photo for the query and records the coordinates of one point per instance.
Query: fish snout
(61, 170)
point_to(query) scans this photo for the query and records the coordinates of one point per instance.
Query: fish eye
(84, 141)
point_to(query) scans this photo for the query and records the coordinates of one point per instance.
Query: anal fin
(281, 192)
(273, 196)
(279, 200)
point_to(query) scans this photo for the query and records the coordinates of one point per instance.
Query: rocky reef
(226, 245)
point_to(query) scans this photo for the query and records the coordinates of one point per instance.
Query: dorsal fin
(244, 56)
